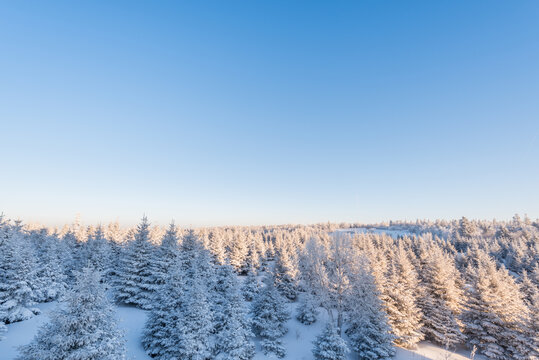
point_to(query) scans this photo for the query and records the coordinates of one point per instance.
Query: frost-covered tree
(191, 333)
(400, 297)
(251, 285)
(496, 316)
(330, 345)
(84, 328)
(50, 271)
(99, 253)
(165, 256)
(134, 280)
(238, 252)
(269, 319)
(225, 285)
(161, 322)
(442, 298)
(286, 274)
(196, 260)
(234, 338)
(307, 310)
(533, 325)
(466, 228)
(368, 330)
(18, 278)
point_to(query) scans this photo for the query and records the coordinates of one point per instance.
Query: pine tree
(496, 316)
(251, 285)
(330, 345)
(234, 337)
(99, 253)
(400, 298)
(533, 325)
(18, 278)
(269, 319)
(225, 285)
(307, 310)
(83, 329)
(191, 334)
(238, 252)
(466, 228)
(50, 271)
(160, 325)
(442, 299)
(286, 274)
(165, 256)
(368, 329)
(134, 281)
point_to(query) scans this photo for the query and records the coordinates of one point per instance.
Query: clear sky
(260, 112)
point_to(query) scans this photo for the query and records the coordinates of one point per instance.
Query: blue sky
(260, 112)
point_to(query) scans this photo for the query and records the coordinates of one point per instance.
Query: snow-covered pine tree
(84, 329)
(253, 255)
(286, 274)
(533, 325)
(400, 299)
(18, 278)
(238, 252)
(330, 345)
(196, 259)
(160, 324)
(234, 337)
(217, 247)
(496, 317)
(251, 285)
(165, 256)
(307, 310)
(99, 253)
(192, 331)
(269, 318)
(50, 271)
(134, 279)
(369, 331)
(224, 286)
(442, 298)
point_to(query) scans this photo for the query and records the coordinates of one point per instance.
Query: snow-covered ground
(298, 341)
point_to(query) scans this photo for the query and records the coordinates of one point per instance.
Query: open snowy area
(131, 320)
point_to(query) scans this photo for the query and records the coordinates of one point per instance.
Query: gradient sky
(259, 112)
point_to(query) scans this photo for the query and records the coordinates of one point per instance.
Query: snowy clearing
(298, 340)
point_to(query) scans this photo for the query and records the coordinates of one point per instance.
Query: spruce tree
(84, 329)
(307, 310)
(286, 274)
(368, 329)
(225, 285)
(496, 316)
(269, 319)
(251, 285)
(18, 278)
(51, 272)
(400, 297)
(191, 333)
(234, 338)
(134, 280)
(441, 300)
(330, 345)
(165, 256)
(99, 253)
(160, 325)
